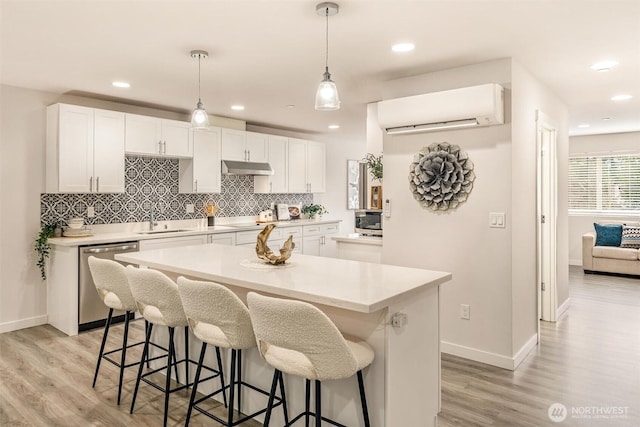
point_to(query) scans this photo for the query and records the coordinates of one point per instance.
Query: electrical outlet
(91, 212)
(398, 320)
(465, 311)
(190, 208)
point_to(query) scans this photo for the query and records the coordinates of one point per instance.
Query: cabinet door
(278, 182)
(176, 139)
(143, 135)
(108, 152)
(206, 161)
(311, 245)
(234, 145)
(297, 165)
(257, 147)
(316, 169)
(328, 246)
(75, 149)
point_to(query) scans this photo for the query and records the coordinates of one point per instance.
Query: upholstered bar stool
(298, 339)
(159, 302)
(218, 317)
(112, 285)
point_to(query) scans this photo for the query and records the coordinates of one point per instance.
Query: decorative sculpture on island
(266, 254)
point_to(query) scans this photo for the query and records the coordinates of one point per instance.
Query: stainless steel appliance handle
(110, 249)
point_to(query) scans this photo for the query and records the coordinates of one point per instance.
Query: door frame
(546, 227)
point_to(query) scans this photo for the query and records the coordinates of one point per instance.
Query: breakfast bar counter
(395, 309)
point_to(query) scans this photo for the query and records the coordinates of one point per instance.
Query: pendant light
(199, 118)
(327, 98)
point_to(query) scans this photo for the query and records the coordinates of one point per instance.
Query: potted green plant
(42, 246)
(312, 210)
(374, 164)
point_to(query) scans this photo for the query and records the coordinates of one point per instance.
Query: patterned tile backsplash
(154, 182)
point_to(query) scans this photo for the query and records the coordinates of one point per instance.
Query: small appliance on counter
(369, 222)
(265, 216)
(282, 212)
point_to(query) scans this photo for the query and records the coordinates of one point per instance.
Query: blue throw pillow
(608, 234)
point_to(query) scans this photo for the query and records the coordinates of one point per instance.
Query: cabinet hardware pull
(159, 147)
(111, 249)
(164, 147)
(271, 187)
(90, 184)
(248, 155)
(97, 184)
(196, 185)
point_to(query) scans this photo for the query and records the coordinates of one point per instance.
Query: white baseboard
(562, 309)
(493, 359)
(22, 323)
(576, 262)
(524, 351)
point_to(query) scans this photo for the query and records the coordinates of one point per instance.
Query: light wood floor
(591, 357)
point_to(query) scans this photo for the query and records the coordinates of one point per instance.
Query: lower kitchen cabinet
(228, 239)
(317, 240)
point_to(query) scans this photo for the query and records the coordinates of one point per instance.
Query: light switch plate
(497, 220)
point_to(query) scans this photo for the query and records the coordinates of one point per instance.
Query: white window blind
(604, 183)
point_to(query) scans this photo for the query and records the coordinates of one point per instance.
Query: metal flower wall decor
(441, 176)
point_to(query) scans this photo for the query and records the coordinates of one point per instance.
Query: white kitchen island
(403, 382)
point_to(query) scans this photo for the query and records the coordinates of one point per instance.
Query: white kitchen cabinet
(151, 136)
(84, 150)
(202, 174)
(228, 239)
(317, 240)
(277, 158)
(276, 239)
(172, 242)
(306, 166)
(244, 146)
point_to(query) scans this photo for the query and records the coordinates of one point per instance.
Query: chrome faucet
(152, 221)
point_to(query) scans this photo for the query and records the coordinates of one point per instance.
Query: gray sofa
(609, 259)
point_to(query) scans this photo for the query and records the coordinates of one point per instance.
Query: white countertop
(136, 235)
(352, 285)
(359, 239)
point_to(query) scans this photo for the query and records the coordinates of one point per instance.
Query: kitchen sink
(169, 230)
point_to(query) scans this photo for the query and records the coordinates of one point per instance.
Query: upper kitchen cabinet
(306, 166)
(151, 136)
(202, 174)
(244, 146)
(277, 158)
(85, 150)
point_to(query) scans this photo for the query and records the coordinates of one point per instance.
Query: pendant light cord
(199, 99)
(326, 58)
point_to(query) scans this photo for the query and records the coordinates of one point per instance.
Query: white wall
(22, 160)
(494, 270)
(607, 144)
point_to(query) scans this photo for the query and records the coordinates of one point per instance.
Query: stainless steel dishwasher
(92, 313)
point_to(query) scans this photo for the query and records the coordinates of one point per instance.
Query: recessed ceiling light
(237, 107)
(603, 66)
(334, 126)
(606, 118)
(584, 125)
(123, 85)
(403, 47)
(291, 106)
(622, 97)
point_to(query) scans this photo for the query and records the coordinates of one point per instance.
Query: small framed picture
(294, 211)
(376, 197)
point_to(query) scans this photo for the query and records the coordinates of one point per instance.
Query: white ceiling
(268, 54)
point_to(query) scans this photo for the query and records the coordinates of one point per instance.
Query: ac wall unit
(481, 105)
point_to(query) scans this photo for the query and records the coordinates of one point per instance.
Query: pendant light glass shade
(327, 98)
(199, 118)
(327, 95)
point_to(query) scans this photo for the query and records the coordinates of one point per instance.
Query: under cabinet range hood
(237, 167)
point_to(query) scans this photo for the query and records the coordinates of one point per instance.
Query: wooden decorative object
(376, 197)
(266, 254)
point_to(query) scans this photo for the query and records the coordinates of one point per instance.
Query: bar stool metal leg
(239, 361)
(168, 381)
(224, 393)
(307, 404)
(142, 359)
(123, 357)
(232, 386)
(104, 341)
(284, 399)
(195, 383)
(363, 400)
(272, 394)
(318, 404)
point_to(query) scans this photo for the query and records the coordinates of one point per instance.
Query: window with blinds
(604, 184)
